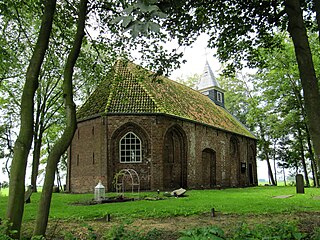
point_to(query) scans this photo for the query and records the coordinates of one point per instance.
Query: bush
(121, 233)
(214, 233)
(316, 233)
(4, 229)
(285, 231)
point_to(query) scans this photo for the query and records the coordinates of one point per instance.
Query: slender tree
(24, 140)
(307, 72)
(62, 144)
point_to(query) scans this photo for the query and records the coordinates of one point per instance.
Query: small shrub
(38, 238)
(214, 233)
(316, 234)
(4, 226)
(85, 232)
(69, 236)
(285, 231)
(121, 233)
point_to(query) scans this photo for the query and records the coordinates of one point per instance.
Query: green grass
(257, 200)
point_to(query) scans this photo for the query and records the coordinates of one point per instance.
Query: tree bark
(36, 149)
(316, 4)
(309, 82)
(62, 144)
(24, 139)
(303, 160)
(266, 153)
(306, 128)
(36, 160)
(284, 176)
(37, 142)
(275, 163)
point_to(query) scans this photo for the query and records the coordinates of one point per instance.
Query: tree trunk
(62, 144)
(317, 10)
(266, 153)
(308, 77)
(306, 128)
(270, 170)
(303, 160)
(275, 163)
(36, 158)
(313, 162)
(37, 142)
(24, 139)
(284, 176)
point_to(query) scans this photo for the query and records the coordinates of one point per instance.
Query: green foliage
(270, 102)
(85, 232)
(316, 233)
(4, 226)
(282, 231)
(213, 233)
(285, 231)
(4, 184)
(191, 80)
(122, 233)
(138, 18)
(38, 238)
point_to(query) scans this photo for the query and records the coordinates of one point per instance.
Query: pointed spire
(209, 86)
(207, 80)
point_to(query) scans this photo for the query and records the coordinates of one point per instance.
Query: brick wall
(94, 153)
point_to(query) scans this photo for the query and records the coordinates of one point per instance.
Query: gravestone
(299, 183)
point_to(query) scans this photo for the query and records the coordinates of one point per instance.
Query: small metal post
(213, 214)
(108, 217)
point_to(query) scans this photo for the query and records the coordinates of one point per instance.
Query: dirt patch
(169, 228)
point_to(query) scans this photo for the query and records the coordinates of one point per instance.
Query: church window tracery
(130, 148)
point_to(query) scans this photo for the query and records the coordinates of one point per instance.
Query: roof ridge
(159, 107)
(115, 75)
(110, 97)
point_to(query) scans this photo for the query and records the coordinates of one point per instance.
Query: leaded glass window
(130, 148)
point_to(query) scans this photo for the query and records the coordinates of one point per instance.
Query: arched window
(130, 148)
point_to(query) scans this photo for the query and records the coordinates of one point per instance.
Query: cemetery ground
(240, 213)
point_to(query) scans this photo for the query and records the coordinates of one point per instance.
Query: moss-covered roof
(132, 89)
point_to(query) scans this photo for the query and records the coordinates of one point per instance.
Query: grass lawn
(243, 202)
(256, 200)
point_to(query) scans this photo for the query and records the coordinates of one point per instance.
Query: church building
(171, 135)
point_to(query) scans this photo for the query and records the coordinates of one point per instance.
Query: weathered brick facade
(171, 135)
(175, 153)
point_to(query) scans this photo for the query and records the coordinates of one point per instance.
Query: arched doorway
(174, 159)
(208, 168)
(234, 162)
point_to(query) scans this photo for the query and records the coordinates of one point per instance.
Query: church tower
(209, 86)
